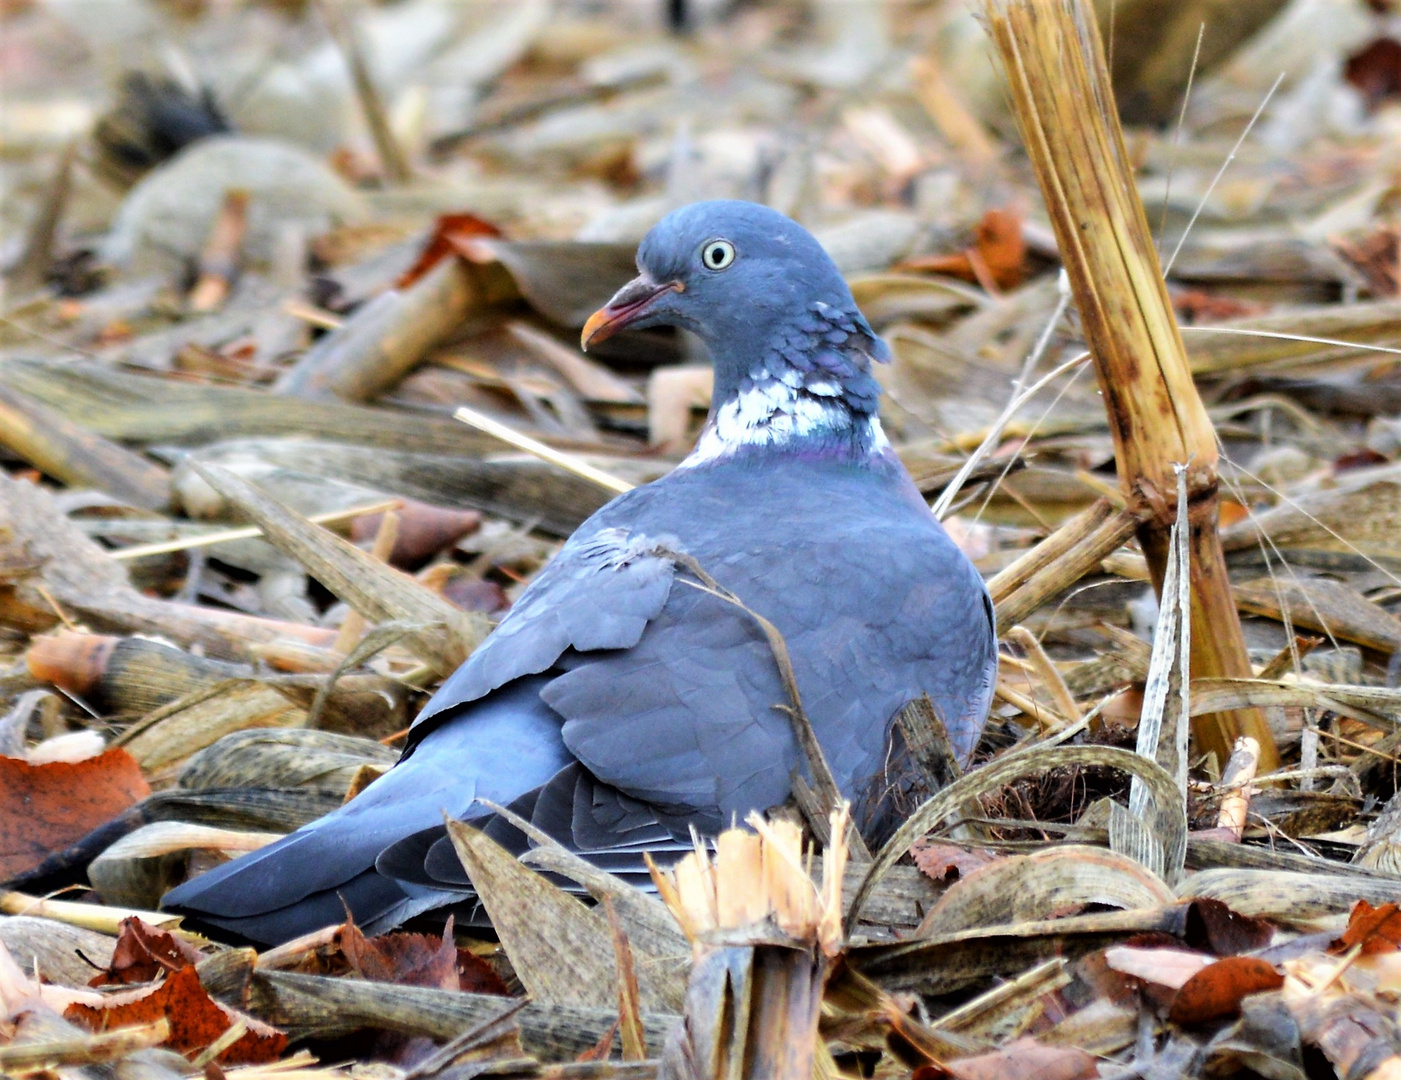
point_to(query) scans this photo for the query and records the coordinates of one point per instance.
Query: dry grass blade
(105, 920)
(1076, 549)
(1074, 532)
(1168, 663)
(1293, 898)
(989, 1010)
(941, 963)
(1376, 706)
(248, 532)
(1292, 341)
(652, 930)
(312, 1005)
(629, 998)
(64, 450)
(560, 949)
(343, 32)
(546, 453)
(24, 1059)
(377, 591)
(1169, 815)
(1059, 86)
(377, 346)
(1023, 888)
(1045, 669)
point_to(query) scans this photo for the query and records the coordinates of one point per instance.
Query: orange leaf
(45, 808)
(1000, 243)
(1231, 512)
(448, 238)
(195, 1019)
(1215, 992)
(997, 258)
(143, 952)
(1377, 930)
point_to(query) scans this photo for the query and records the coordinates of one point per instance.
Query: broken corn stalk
(764, 936)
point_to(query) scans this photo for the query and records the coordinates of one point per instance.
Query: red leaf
(195, 1019)
(1215, 992)
(45, 808)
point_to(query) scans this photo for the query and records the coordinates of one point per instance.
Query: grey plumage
(618, 704)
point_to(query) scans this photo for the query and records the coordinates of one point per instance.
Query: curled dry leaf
(1216, 991)
(450, 236)
(143, 952)
(195, 1019)
(44, 808)
(1047, 884)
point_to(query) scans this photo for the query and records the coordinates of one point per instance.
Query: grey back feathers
(618, 704)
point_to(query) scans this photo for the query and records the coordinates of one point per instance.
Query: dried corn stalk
(764, 935)
(1060, 90)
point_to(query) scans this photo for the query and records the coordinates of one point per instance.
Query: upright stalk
(1060, 90)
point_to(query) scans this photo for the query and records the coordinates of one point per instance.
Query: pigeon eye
(717, 254)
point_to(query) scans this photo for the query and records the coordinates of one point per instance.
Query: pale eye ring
(717, 254)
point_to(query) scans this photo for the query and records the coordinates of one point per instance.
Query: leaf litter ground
(191, 343)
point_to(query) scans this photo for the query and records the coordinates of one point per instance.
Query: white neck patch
(774, 414)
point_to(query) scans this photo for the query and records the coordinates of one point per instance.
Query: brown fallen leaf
(1024, 1059)
(947, 863)
(418, 960)
(1375, 70)
(143, 952)
(1216, 991)
(1377, 257)
(1197, 306)
(1377, 930)
(1213, 926)
(44, 808)
(195, 1019)
(424, 530)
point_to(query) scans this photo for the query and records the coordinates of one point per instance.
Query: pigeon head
(792, 352)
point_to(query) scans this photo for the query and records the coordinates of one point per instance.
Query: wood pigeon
(620, 703)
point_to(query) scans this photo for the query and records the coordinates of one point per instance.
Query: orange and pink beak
(629, 304)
